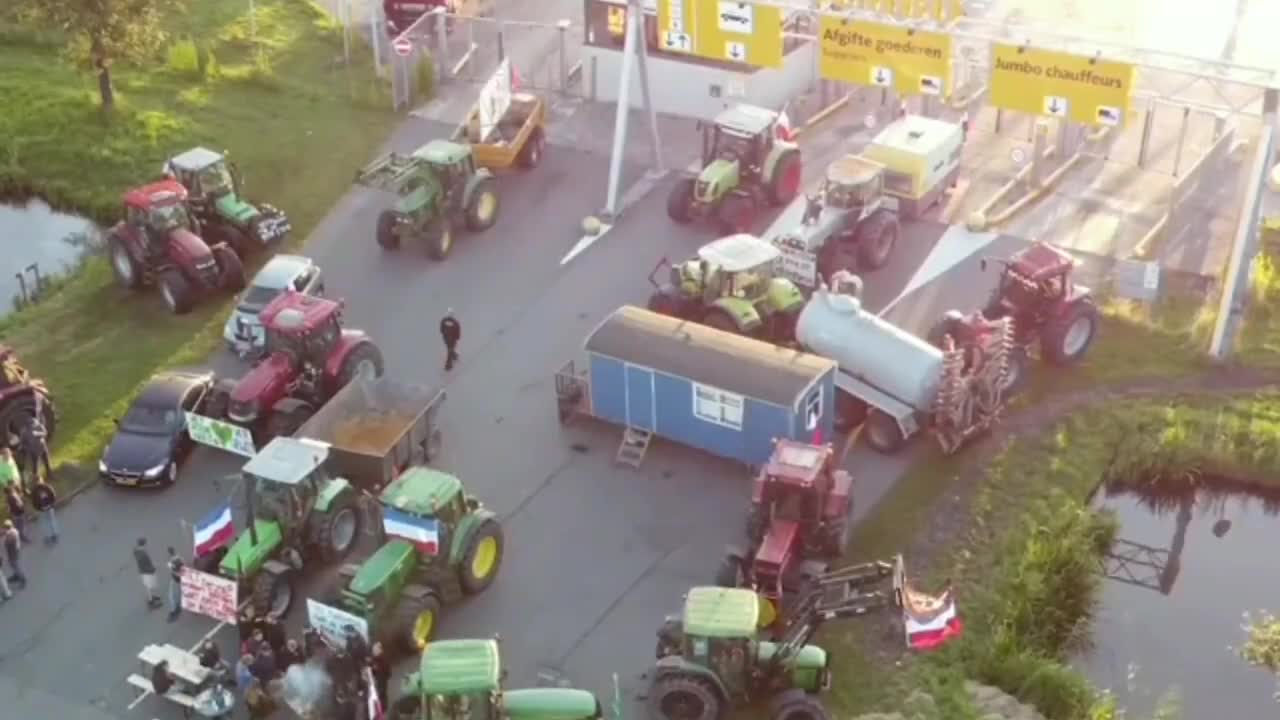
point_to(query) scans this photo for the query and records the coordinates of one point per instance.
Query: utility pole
(634, 56)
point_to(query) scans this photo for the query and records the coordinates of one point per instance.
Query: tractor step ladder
(635, 443)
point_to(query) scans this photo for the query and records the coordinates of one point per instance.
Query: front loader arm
(387, 173)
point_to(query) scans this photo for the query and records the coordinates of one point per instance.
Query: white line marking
(585, 242)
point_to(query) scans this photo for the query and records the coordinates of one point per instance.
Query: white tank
(834, 325)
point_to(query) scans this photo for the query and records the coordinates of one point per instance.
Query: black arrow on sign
(737, 52)
(928, 82)
(1106, 114)
(1053, 106)
(880, 77)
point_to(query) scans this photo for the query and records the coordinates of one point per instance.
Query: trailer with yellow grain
(505, 128)
(375, 428)
(921, 157)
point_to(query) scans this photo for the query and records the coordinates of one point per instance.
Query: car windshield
(150, 419)
(259, 295)
(167, 217)
(215, 178)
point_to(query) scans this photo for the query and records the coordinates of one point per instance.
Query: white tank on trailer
(834, 325)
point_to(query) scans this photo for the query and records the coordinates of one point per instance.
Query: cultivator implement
(971, 393)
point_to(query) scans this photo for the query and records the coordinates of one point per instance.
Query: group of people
(29, 498)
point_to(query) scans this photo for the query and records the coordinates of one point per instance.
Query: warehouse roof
(706, 355)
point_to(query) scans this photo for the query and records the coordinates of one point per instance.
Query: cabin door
(640, 397)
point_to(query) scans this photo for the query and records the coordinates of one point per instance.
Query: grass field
(295, 119)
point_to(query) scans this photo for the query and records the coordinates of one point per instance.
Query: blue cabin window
(717, 406)
(813, 410)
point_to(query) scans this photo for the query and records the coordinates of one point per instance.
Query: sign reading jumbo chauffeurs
(917, 62)
(1082, 89)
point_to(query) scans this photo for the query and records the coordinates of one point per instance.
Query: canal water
(1183, 573)
(35, 234)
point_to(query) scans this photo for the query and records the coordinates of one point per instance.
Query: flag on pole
(784, 126)
(214, 530)
(930, 620)
(375, 702)
(423, 532)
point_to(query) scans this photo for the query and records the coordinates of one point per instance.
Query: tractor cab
(452, 162)
(793, 484)
(206, 174)
(719, 628)
(456, 680)
(738, 266)
(156, 210)
(1034, 280)
(741, 134)
(304, 328)
(855, 185)
(429, 494)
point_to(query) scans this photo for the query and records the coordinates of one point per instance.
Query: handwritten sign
(220, 434)
(495, 98)
(209, 595)
(332, 622)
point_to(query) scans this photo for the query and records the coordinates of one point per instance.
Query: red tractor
(1052, 316)
(22, 397)
(308, 357)
(798, 522)
(158, 243)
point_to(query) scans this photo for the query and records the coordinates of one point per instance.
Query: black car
(151, 439)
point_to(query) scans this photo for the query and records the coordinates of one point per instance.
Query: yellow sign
(740, 32)
(675, 26)
(936, 10)
(1040, 82)
(913, 62)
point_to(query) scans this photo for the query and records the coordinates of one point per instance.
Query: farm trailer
(726, 394)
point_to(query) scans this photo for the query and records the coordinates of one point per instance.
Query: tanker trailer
(896, 384)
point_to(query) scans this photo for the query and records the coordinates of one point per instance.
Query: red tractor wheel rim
(791, 179)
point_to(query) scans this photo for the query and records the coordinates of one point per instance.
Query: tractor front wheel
(176, 291)
(876, 237)
(680, 201)
(883, 434)
(729, 574)
(414, 622)
(737, 213)
(482, 208)
(337, 531)
(784, 183)
(123, 266)
(230, 268)
(386, 230)
(364, 359)
(272, 594)
(439, 236)
(850, 411)
(482, 558)
(1015, 373)
(796, 704)
(680, 697)
(1068, 335)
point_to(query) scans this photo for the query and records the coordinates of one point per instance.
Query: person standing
(43, 499)
(380, 668)
(35, 451)
(451, 333)
(9, 474)
(147, 572)
(175, 585)
(13, 553)
(17, 510)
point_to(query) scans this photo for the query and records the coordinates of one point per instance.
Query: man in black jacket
(43, 499)
(451, 333)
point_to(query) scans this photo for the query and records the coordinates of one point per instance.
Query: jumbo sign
(1086, 90)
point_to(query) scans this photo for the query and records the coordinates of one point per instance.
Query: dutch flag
(423, 532)
(214, 530)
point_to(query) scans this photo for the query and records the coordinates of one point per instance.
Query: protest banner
(332, 622)
(209, 595)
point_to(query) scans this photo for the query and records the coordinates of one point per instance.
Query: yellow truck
(505, 128)
(921, 159)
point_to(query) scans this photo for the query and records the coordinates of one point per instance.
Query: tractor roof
(195, 159)
(451, 667)
(777, 543)
(295, 312)
(717, 612)
(287, 460)
(796, 462)
(156, 194)
(853, 170)
(421, 490)
(373, 573)
(442, 152)
(1040, 260)
(737, 253)
(747, 119)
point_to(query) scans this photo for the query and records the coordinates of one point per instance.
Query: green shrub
(424, 78)
(183, 58)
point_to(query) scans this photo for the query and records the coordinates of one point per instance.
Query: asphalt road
(596, 555)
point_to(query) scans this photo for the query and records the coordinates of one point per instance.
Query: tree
(105, 31)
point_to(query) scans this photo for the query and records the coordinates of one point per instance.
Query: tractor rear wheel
(1016, 371)
(720, 320)
(876, 237)
(482, 558)
(439, 237)
(123, 266)
(176, 292)
(336, 531)
(1067, 336)
(364, 359)
(850, 411)
(737, 213)
(883, 434)
(482, 208)
(530, 155)
(386, 230)
(681, 697)
(414, 622)
(230, 269)
(796, 704)
(272, 594)
(680, 201)
(784, 183)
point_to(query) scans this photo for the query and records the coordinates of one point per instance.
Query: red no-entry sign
(403, 46)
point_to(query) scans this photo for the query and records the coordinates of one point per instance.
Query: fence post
(444, 69)
(594, 69)
(1182, 139)
(563, 27)
(1148, 121)
(999, 119)
(502, 52)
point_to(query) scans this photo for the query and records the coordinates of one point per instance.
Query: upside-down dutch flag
(423, 532)
(930, 621)
(214, 530)
(375, 702)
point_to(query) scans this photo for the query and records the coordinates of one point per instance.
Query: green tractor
(747, 163)
(731, 286)
(216, 195)
(462, 680)
(710, 660)
(439, 187)
(299, 516)
(444, 545)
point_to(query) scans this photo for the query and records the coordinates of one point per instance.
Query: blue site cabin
(723, 393)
